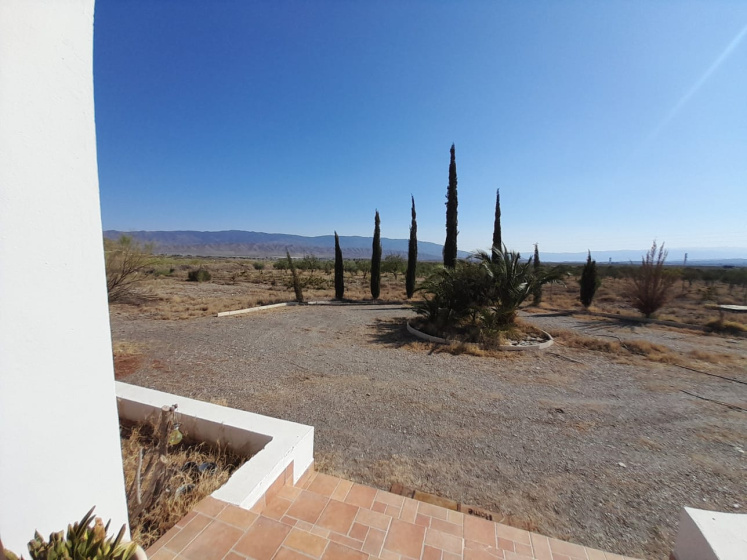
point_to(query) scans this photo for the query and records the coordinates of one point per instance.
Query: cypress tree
(497, 241)
(450, 245)
(376, 259)
(589, 281)
(538, 286)
(339, 270)
(412, 254)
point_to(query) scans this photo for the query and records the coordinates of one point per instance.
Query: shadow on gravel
(391, 332)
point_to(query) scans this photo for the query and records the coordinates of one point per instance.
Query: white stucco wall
(59, 445)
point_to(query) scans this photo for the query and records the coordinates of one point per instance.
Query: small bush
(258, 265)
(199, 275)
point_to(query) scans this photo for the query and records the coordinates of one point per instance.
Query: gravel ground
(576, 444)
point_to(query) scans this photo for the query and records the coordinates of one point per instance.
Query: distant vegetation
(199, 275)
(480, 294)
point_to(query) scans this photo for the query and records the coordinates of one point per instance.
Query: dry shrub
(726, 327)
(169, 506)
(710, 357)
(575, 340)
(651, 351)
(126, 264)
(651, 283)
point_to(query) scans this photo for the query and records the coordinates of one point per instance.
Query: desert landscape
(600, 439)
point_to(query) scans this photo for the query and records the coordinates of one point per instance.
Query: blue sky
(604, 124)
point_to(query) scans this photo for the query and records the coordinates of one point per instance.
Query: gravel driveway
(577, 445)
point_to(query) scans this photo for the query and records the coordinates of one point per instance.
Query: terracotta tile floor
(327, 518)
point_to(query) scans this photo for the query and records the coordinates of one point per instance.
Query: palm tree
(513, 282)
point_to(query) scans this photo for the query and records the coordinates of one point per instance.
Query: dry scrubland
(236, 283)
(599, 440)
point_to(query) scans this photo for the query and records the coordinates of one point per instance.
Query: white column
(59, 441)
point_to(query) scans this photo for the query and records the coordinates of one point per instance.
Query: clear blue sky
(605, 124)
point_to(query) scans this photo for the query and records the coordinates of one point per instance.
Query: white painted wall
(59, 444)
(274, 443)
(711, 535)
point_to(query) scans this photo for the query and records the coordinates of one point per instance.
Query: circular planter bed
(529, 341)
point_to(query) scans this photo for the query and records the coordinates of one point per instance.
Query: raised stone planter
(281, 451)
(508, 347)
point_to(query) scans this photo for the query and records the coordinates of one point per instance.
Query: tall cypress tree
(376, 259)
(339, 270)
(538, 286)
(589, 281)
(450, 245)
(412, 254)
(497, 241)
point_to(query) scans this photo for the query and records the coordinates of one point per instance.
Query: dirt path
(576, 444)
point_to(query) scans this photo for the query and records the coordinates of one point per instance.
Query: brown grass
(648, 350)
(726, 327)
(688, 304)
(236, 285)
(170, 508)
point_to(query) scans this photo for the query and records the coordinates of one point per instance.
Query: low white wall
(59, 439)
(711, 535)
(275, 443)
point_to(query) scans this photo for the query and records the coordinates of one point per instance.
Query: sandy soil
(580, 445)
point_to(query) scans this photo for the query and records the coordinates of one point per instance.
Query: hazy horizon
(605, 125)
(675, 254)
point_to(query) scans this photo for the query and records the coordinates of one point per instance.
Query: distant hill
(235, 243)
(255, 244)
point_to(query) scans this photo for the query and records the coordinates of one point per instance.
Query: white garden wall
(59, 444)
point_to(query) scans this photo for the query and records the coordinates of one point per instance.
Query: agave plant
(83, 542)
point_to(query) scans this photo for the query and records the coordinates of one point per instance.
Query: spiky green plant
(83, 542)
(513, 281)
(453, 295)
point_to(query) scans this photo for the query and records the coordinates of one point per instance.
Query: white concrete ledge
(423, 336)
(274, 443)
(259, 308)
(509, 347)
(711, 535)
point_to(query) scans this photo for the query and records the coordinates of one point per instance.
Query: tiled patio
(327, 518)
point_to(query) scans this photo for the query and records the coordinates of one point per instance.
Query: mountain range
(236, 243)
